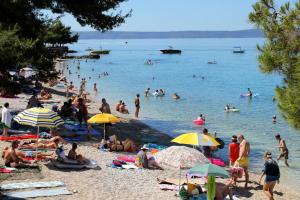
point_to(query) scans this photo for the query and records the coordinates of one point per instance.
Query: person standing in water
(137, 105)
(284, 152)
(249, 93)
(95, 87)
(243, 159)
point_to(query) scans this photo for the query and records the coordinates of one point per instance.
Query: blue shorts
(271, 178)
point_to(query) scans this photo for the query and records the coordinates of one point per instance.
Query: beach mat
(35, 193)
(18, 137)
(129, 166)
(61, 165)
(126, 158)
(24, 185)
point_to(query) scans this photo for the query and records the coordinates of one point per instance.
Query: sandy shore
(109, 183)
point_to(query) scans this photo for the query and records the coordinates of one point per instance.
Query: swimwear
(244, 162)
(8, 164)
(284, 154)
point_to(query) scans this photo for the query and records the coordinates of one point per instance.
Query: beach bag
(237, 171)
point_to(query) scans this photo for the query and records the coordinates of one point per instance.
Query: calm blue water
(223, 84)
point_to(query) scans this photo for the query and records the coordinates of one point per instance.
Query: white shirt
(6, 117)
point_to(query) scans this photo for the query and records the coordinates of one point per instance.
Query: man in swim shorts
(243, 159)
(284, 152)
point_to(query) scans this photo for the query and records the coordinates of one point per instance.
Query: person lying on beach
(72, 155)
(144, 161)
(123, 108)
(41, 145)
(118, 106)
(176, 96)
(115, 145)
(11, 158)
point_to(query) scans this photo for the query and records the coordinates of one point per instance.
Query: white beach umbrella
(180, 157)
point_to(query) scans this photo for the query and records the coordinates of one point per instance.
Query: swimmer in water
(93, 69)
(194, 76)
(274, 119)
(176, 96)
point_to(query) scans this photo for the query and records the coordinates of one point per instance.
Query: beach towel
(77, 130)
(169, 187)
(36, 193)
(25, 185)
(126, 158)
(217, 161)
(129, 166)
(50, 101)
(175, 181)
(18, 137)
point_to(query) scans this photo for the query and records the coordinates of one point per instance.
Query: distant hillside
(252, 33)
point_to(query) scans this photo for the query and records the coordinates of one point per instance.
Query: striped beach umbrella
(39, 117)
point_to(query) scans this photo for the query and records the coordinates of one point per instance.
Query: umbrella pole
(36, 149)
(104, 131)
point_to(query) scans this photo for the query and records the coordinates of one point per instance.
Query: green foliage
(281, 52)
(14, 50)
(58, 34)
(24, 30)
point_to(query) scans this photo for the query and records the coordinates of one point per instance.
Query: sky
(179, 15)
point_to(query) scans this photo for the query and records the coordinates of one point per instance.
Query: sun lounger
(35, 193)
(26, 185)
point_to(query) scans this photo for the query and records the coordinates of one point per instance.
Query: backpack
(272, 168)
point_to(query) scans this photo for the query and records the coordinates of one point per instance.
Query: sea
(203, 88)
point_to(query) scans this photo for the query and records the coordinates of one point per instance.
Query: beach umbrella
(208, 169)
(39, 117)
(180, 157)
(103, 118)
(211, 171)
(196, 139)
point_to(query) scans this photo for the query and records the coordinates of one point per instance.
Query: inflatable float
(246, 95)
(233, 110)
(199, 122)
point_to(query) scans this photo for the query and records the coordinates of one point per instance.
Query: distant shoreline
(251, 33)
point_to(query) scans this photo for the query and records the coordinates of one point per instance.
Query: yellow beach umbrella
(196, 139)
(103, 118)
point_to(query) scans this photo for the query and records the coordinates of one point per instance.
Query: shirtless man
(243, 158)
(222, 191)
(284, 152)
(105, 108)
(137, 105)
(11, 158)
